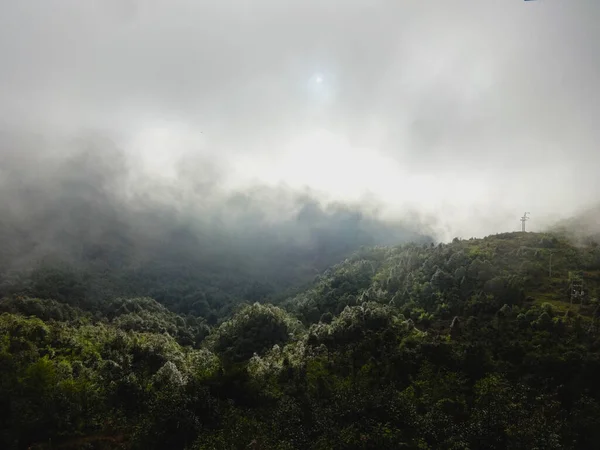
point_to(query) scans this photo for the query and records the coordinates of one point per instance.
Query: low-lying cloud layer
(80, 224)
(459, 115)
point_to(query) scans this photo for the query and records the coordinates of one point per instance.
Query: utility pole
(550, 267)
(523, 220)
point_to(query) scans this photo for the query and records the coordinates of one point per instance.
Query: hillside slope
(466, 345)
(196, 268)
(461, 278)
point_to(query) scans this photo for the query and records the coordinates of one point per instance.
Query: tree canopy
(467, 345)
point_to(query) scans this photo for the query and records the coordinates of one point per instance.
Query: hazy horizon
(453, 116)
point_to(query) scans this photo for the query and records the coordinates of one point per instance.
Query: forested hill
(473, 344)
(191, 266)
(90, 228)
(466, 277)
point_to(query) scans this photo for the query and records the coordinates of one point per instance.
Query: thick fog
(451, 118)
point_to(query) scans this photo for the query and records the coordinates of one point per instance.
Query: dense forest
(473, 344)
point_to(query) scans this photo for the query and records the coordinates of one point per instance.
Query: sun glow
(328, 163)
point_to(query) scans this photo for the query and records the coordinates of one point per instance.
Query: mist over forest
(86, 209)
(293, 225)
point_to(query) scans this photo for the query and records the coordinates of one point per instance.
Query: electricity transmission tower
(576, 289)
(523, 220)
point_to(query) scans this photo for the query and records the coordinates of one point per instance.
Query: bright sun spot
(319, 79)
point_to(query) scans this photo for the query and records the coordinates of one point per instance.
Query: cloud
(471, 111)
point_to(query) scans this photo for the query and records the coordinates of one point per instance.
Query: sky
(469, 112)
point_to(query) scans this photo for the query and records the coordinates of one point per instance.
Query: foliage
(457, 346)
(253, 329)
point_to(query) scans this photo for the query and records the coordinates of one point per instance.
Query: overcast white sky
(473, 110)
